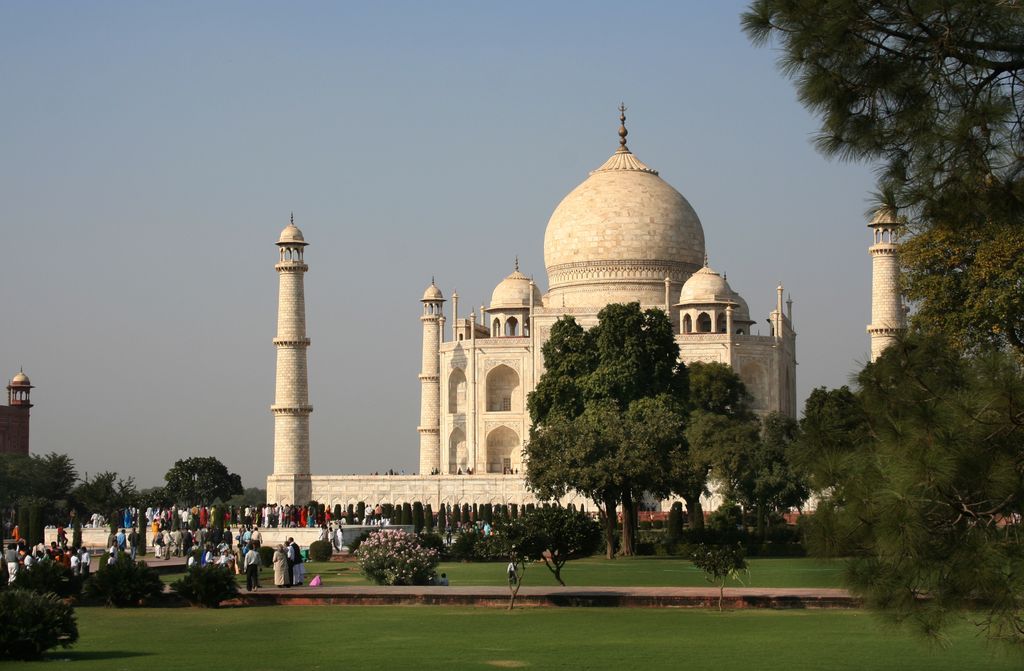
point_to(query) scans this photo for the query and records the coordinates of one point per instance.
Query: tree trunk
(694, 512)
(628, 548)
(609, 525)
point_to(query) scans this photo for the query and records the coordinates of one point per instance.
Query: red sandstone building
(14, 416)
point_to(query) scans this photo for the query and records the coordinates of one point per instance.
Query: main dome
(617, 236)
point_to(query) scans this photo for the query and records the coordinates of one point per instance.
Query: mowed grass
(429, 637)
(593, 572)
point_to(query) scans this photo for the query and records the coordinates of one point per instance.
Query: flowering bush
(394, 557)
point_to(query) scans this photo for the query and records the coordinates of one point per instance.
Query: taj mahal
(623, 235)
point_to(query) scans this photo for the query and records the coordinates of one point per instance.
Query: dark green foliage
(442, 517)
(266, 556)
(320, 550)
(428, 518)
(609, 412)
(929, 92)
(388, 511)
(433, 542)
(361, 512)
(465, 518)
(514, 511)
(675, 522)
(561, 534)
(488, 513)
(32, 623)
(464, 545)
(23, 521)
(921, 499)
(49, 576)
(719, 564)
(336, 513)
(406, 514)
(417, 517)
(35, 524)
(201, 480)
(124, 583)
(104, 493)
(206, 586)
(46, 480)
(476, 513)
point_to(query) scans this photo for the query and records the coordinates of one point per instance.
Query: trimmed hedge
(206, 586)
(123, 583)
(320, 551)
(49, 576)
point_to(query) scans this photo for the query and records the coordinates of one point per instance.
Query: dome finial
(517, 263)
(705, 259)
(291, 219)
(622, 128)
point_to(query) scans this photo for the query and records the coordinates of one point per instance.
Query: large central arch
(502, 389)
(503, 453)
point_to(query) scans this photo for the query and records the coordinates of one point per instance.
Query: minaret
(15, 439)
(430, 381)
(887, 317)
(291, 398)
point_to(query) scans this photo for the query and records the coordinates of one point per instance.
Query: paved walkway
(645, 597)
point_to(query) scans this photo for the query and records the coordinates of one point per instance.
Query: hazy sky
(150, 153)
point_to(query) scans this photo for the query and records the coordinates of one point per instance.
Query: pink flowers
(394, 557)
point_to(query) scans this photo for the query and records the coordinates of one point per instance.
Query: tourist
(252, 567)
(11, 559)
(83, 561)
(513, 577)
(290, 549)
(133, 542)
(75, 562)
(280, 567)
(443, 581)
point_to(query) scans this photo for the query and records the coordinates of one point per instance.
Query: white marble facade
(622, 235)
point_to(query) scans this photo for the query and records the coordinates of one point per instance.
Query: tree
(201, 481)
(928, 502)
(104, 493)
(607, 414)
(753, 465)
(831, 430)
(720, 563)
(720, 412)
(520, 543)
(562, 535)
(930, 91)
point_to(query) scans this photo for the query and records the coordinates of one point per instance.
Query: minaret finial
(705, 259)
(432, 281)
(622, 128)
(517, 263)
(291, 219)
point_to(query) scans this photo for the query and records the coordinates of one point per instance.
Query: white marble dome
(514, 292)
(432, 293)
(623, 230)
(291, 235)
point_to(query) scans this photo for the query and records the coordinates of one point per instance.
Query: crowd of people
(19, 556)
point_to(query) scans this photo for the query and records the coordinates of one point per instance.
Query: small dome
(514, 292)
(432, 293)
(291, 235)
(886, 216)
(706, 286)
(20, 380)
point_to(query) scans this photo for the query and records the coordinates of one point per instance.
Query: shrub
(417, 517)
(463, 548)
(123, 583)
(428, 518)
(432, 542)
(394, 557)
(206, 586)
(675, 521)
(31, 623)
(49, 576)
(658, 524)
(646, 524)
(321, 551)
(354, 545)
(266, 556)
(719, 563)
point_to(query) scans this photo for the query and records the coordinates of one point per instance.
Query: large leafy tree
(752, 462)
(43, 480)
(720, 420)
(104, 493)
(925, 485)
(608, 413)
(931, 92)
(201, 480)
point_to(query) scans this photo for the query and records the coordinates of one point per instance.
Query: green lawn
(424, 637)
(636, 572)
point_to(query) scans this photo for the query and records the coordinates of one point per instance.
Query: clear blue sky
(151, 152)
